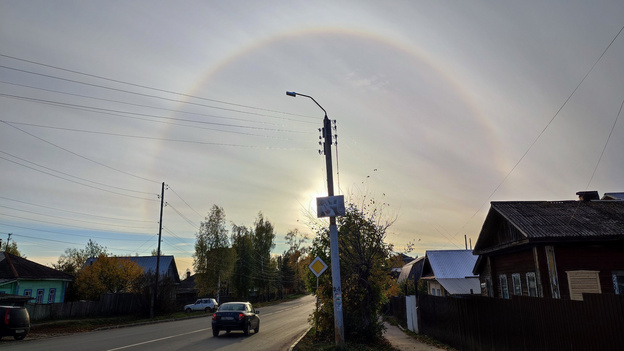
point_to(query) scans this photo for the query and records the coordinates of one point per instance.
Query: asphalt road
(280, 326)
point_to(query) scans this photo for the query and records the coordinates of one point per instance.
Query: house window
(52, 296)
(618, 282)
(28, 292)
(583, 282)
(531, 284)
(504, 288)
(39, 295)
(516, 284)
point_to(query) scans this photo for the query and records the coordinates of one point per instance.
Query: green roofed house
(19, 276)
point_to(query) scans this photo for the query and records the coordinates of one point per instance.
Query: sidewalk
(402, 341)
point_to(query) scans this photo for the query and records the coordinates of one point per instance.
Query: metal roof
(558, 219)
(148, 263)
(516, 223)
(409, 270)
(461, 286)
(450, 264)
(13, 267)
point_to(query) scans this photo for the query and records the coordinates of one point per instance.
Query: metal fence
(525, 323)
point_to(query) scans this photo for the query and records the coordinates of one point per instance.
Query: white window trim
(516, 278)
(504, 293)
(614, 276)
(528, 276)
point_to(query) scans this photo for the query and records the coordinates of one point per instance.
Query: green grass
(311, 343)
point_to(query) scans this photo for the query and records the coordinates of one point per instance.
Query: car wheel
(257, 328)
(188, 310)
(215, 332)
(19, 337)
(208, 310)
(246, 330)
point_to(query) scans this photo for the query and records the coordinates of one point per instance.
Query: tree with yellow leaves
(107, 275)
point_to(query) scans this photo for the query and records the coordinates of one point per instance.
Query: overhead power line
(90, 236)
(73, 181)
(78, 155)
(544, 129)
(139, 105)
(152, 96)
(124, 113)
(83, 179)
(75, 212)
(152, 88)
(72, 219)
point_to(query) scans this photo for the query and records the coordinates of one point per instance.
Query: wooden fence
(109, 305)
(525, 323)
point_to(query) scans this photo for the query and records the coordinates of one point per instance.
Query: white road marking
(156, 340)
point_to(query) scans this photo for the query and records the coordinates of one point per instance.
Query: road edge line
(301, 337)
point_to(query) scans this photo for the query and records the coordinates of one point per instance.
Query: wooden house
(167, 267)
(19, 276)
(555, 249)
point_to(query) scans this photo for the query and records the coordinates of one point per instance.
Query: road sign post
(317, 266)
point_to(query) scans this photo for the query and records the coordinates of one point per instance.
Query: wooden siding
(604, 258)
(520, 262)
(583, 282)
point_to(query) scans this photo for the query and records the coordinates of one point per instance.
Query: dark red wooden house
(556, 249)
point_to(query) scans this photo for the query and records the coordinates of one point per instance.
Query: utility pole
(333, 231)
(155, 295)
(333, 242)
(7, 244)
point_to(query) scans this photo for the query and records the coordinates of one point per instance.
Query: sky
(440, 106)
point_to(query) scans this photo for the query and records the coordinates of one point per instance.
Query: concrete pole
(333, 230)
(333, 241)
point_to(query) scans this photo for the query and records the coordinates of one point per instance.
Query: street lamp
(333, 230)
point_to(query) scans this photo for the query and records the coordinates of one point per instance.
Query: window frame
(516, 284)
(28, 292)
(40, 294)
(616, 286)
(503, 289)
(531, 276)
(51, 295)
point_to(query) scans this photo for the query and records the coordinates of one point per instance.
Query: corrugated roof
(14, 267)
(613, 196)
(407, 270)
(448, 264)
(564, 219)
(461, 286)
(148, 263)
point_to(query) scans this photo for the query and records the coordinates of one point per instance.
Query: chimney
(586, 196)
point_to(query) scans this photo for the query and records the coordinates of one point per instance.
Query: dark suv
(14, 321)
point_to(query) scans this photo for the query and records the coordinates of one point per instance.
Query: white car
(205, 304)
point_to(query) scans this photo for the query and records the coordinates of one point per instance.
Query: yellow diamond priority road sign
(317, 266)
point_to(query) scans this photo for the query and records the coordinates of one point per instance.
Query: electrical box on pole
(331, 211)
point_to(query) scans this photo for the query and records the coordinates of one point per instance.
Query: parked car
(205, 304)
(235, 316)
(15, 322)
